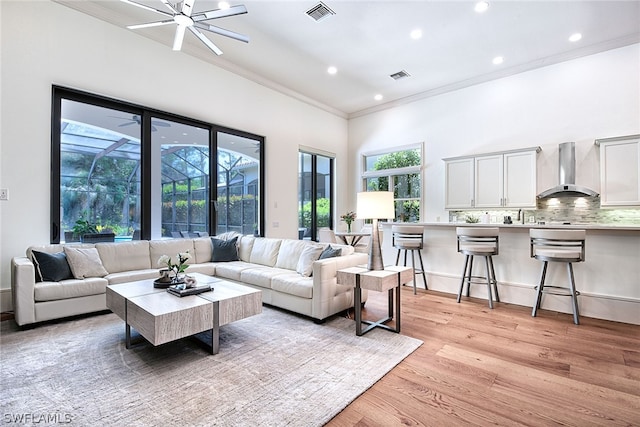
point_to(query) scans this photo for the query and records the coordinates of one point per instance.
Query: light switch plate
(4, 194)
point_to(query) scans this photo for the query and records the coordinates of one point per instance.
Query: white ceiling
(369, 40)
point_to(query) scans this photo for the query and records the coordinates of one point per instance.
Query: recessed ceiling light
(224, 5)
(481, 6)
(575, 37)
(498, 60)
(332, 70)
(378, 97)
(416, 34)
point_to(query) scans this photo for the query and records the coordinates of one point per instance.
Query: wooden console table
(392, 277)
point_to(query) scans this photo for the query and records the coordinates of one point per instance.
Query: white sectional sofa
(265, 263)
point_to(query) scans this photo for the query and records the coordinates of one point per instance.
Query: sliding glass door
(315, 194)
(128, 172)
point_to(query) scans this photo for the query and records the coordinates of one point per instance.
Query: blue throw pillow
(330, 252)
(224, 250)
(51, 267)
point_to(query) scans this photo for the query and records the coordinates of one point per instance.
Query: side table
(392, 277)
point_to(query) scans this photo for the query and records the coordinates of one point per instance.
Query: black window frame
(145, 113)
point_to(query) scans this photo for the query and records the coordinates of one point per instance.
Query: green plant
(84, 226)
(472, 219)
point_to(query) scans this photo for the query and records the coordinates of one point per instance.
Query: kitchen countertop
(576, 226)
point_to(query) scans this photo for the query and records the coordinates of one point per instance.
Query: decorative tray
(164, 285)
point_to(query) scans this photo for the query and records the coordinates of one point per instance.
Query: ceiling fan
(182, 14)
(135, 119)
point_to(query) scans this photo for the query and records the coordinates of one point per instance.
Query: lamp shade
(375, 205)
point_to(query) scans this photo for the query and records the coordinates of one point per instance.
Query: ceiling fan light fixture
(183, 20)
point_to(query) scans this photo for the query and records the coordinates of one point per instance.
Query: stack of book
(181, 291)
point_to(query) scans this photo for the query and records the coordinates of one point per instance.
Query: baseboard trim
(599, 306)
(6, 303)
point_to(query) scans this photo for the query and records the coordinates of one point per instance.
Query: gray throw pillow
(51, 267)
(330, 252)
(224, 250)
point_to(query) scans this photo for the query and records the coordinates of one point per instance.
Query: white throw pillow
(289, 253)
(85, 262)
(305, 263)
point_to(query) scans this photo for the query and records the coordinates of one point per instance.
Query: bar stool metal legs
(490, 280)
(413, 264)
(566, 246)
(476, 241)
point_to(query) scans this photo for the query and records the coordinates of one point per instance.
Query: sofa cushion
(261, 276)
(293, 284)
(125, 256)
(131, 276)
(330, 252)
(265, 251)
(224, 250)
(73, 288)
(289, 253)
(85, 262)
(231, 270)
(203, 250)
(171, 248)
(245, 246)
(51, 267)
(309, 255)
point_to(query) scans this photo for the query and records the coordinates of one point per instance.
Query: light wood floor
(502, 367)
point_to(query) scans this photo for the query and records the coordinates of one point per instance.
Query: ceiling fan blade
(220, 13)
(170, 6)
(144, 6)
(150, 24)
(177, 41)
(206, 41)
(187, 7)
(222, 31)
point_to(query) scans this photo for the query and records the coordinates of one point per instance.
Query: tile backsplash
(571, 209)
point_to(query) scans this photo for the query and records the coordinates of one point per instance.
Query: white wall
(580, 100)
(44, 43)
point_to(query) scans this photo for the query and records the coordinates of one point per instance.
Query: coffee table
(160, 317)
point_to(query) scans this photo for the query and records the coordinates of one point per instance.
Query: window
(315, 194)
(128, 172)
(400, 172)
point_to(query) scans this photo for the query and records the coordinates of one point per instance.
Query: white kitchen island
(608, 280)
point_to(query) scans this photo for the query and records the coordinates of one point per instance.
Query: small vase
(348, 227)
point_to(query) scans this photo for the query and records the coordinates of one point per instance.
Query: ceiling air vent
(399, 75)
(320, 12)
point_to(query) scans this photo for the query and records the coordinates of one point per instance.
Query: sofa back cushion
(289, 253)
(202, 248)
(244, 248)
(265, 251)
(171, 248)
(125, 256)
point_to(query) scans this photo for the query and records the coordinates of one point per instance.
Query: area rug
(273, 369)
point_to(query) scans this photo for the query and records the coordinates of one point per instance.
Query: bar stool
(558, 246)
(410, 238)
(475, 241)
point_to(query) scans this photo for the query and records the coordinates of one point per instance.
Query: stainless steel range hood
(567, 174)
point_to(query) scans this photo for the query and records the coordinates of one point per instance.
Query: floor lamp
(375, 205)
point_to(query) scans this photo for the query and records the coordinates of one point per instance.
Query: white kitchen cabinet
(459, 183)
(620, 171)
(489, 181)
(497, 180)
(520, 179)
